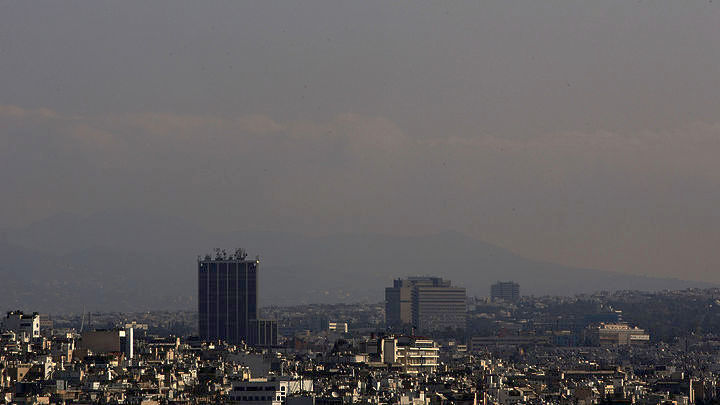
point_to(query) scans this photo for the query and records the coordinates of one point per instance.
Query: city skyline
(297, 269)
(494, 202)
(500, 357)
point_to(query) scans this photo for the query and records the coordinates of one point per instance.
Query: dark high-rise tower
(227, 296)
(507, 291)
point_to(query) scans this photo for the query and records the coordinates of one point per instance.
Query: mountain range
(136, 262)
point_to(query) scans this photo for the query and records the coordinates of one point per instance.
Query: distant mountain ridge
(131, 261)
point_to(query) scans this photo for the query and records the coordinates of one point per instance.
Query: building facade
(414, 355)
(105, 341)
(478, 343)
(425, 304)
(228, 300)
(439, 308)
(341, 327)
(268, 390)
(27, 326)
(227, 296)
(615, 334)
(263, 333)
(259, 392)
(507, 291)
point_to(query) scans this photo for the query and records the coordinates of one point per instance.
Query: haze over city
(583, 134)
(325, 202)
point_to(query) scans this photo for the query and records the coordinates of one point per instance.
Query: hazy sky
(581, 132)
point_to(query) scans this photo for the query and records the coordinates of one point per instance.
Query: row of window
(258, 388)
(257, 398)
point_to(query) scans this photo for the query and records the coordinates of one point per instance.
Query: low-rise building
(338, 327)
(612, 334)
(480, 342)
(25, 326)
(413, 354)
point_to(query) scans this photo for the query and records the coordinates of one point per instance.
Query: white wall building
(26, 327)
(413, 354)
(338, 327)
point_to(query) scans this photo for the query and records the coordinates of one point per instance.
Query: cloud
(362, 134)
(176, 124)
(600, 198)
(10, 111)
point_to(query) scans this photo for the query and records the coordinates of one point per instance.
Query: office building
(228, 300)
(437, 308)
(425, 304)
(507, 291)
(398, 304)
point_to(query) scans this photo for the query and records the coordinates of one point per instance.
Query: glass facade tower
(227, 297)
